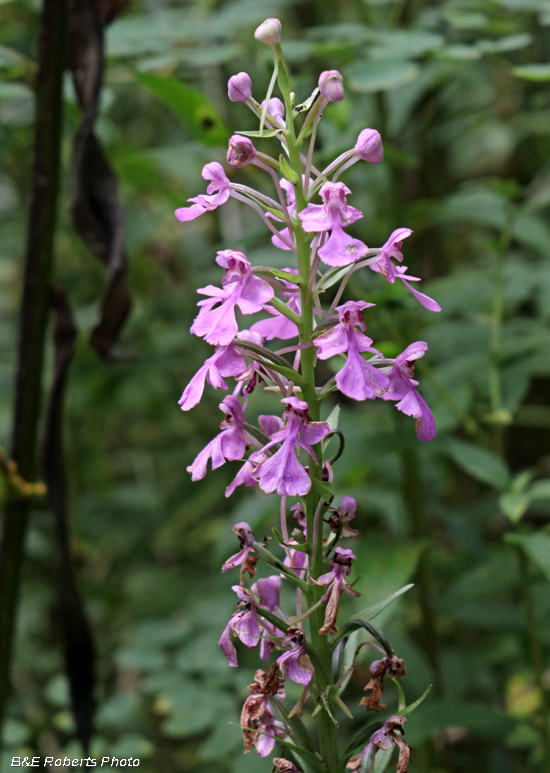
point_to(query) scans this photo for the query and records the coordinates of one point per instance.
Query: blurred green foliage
(459, 91)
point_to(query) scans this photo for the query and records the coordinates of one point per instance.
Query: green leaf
(323, 489)
(533, 72)
(287, 171)
(402, 703)
(298, 730)
(382, 760)
(332, 418)
(195, 112)
(265, 133)
(296, 279)
(368, 76)
(480, 463)
(371, 612)
(413, 706)
(375, 632)
(537, 548)
(361, 738)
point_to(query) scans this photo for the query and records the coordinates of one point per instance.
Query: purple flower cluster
(310, 218)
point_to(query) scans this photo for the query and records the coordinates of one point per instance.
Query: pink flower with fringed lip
(383, 265)
(340, 568)
(402, 389)
(268, 590)
(243, 623)
(358, 379)
(226, 361)
(279, 326)
(218, 324)
(282, 472)
(217, 190)
(340, 249)
(229, 445)
(295, 664)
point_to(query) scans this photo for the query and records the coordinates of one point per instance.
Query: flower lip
(269, 32)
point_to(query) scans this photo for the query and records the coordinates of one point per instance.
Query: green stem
(323, 674)
(533, 636)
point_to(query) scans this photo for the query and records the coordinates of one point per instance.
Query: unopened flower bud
(369, 146)
(275, 108)
(239, 87)
(241, 151)
(269, 32)
(331, 85)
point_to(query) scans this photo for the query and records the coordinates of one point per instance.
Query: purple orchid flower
(389, 735)
(384, 266)
(217, 324)
(282, 472)
(268, 590)
(226, 361)
(340, 249)
(402, 388)
(295, 664)
(244, 624)
(280, 326)
(358, 379)
(340, 518)
(229, 445)
(269, 424)
(340, 567)
(246, 539)
(218, 190)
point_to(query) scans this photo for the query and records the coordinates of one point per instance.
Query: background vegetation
(459, 91)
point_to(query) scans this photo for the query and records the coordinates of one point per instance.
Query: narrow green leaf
(287, 171)
(361, 738)
(371, 628)
(416, 704)
(371, 612)
(295, 279)
(298, 730)
(266, 133)
(195, 112)
(402, 703)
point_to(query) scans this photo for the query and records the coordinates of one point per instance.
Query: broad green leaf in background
(367, 76)
(480, 463)
(533, 72)
(195, 112)
(536, 546)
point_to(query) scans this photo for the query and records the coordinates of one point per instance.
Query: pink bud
(269, 32)
(275, 108)
(241, 151)
(239, 87)
(369, 146)
(331, 85)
